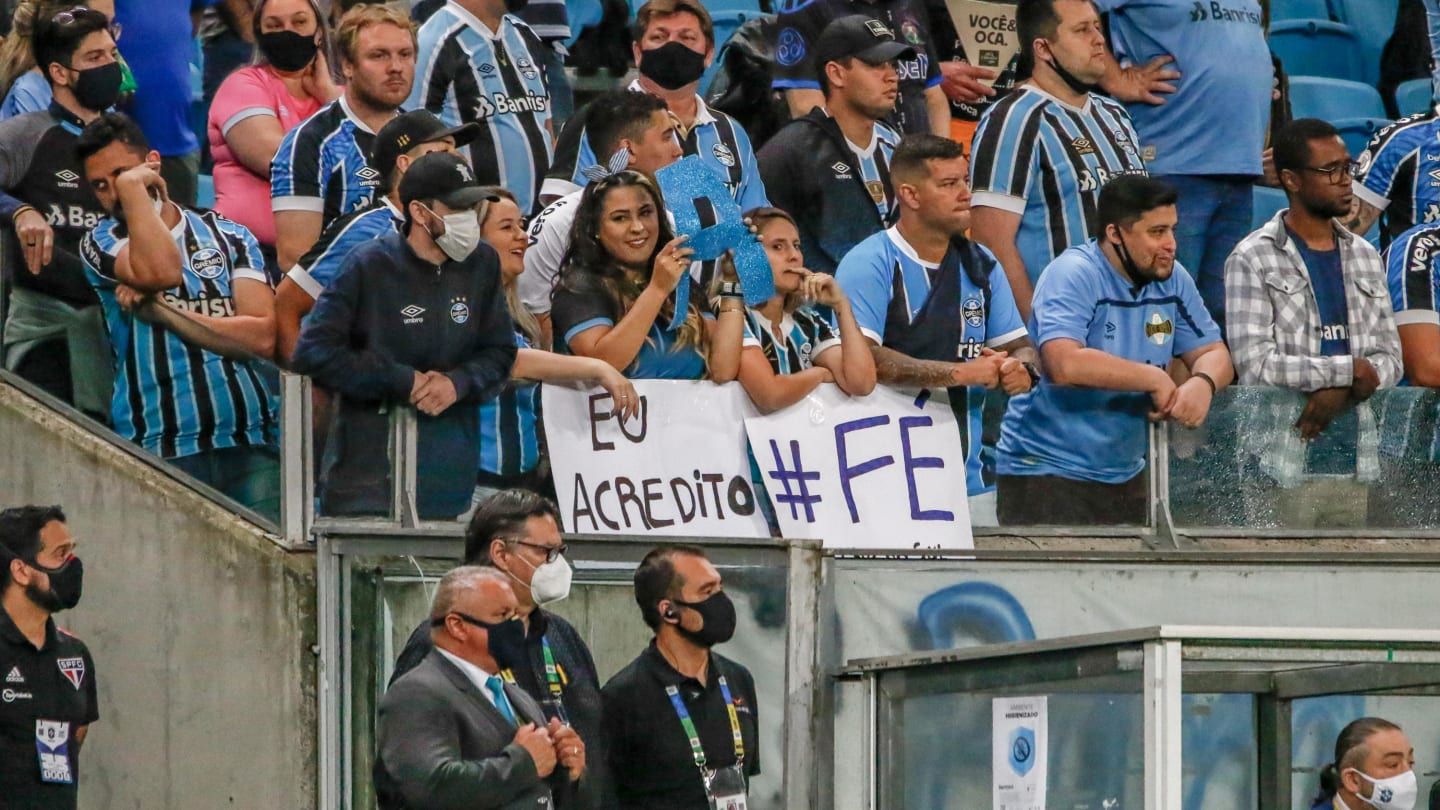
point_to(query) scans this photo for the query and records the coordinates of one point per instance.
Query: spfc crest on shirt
(73, 669)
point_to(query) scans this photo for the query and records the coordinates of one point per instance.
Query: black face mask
(98, 88)
(718, 613)
(672, 65)
(66, 583)
(506, 640)
(1075, 85)
(1132, 270)
(288, 50)
(516, 6)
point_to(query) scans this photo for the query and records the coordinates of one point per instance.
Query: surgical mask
(66, 583)
(1396, 793)
(551, 581)
(288, 50)
(672, 65)
(461, 236)
(98, 88)
(718, 612)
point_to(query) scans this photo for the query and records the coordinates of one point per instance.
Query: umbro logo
(15, 676)
(367, 173)
(841, 169)
(412, 314)
(67, 175)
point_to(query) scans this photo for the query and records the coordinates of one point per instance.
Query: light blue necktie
(497, 690)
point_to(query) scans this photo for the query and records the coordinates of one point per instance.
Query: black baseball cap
(408, 130)
(444, 177)
(864, 38)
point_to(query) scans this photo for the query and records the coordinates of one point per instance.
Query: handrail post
(297, 453)
(802, 611)
(404, 435)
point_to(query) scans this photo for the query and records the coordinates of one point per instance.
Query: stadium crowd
(408, 208)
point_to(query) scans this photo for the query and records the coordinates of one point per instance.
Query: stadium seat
(1318, 48)
(1334, 99)
(1267, 202)
(1414, 96)
(1373, 22)
(1301, 10)
(1357, 132)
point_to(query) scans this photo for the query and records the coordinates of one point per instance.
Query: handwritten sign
(678, 468)
(987, 33)
(882, 471)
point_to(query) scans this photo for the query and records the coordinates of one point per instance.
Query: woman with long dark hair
(1374, 767)
(511, 453)
(615, 297)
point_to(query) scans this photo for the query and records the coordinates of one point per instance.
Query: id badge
(52, 743)
(727, 789)
(554, 709)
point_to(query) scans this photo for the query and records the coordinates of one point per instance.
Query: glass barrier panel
(1372, 467)
(389, 600)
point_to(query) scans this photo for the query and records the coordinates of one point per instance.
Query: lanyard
(696, 749)
(552, 672)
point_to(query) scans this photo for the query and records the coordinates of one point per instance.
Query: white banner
(1019, 742)
(987, 32)
(678, 468)
(883, 471)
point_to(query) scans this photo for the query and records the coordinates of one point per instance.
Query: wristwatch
(1034, 372)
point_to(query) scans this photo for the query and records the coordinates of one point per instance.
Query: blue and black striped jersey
(804, 336)
(318, 267)
(1398, 172)
(1046, 161)
(716, 138)
(509, 426)
(469, 73)
(322, 165)
(173, 398)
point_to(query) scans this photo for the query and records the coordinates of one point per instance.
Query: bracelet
(721, 308)
(1034, 372)
(1207, 378)
(14, 215)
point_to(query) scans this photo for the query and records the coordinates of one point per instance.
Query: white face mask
(551, 581)
(461, 237)
(1396, 793)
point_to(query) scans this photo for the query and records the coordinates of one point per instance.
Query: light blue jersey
(1088, 434)
(171, 397)
(322, 165)
(509, 435)
(322, 262)
(890, 288)
(466, 72)
(1216, 120)
(1046, 161)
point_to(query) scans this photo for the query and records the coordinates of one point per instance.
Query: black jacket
(810, 172)
(388, 314)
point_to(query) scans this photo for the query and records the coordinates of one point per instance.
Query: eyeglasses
(77, 15)
(552, 553)
(1336, 173)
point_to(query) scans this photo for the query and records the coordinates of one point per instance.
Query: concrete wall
(201, 626)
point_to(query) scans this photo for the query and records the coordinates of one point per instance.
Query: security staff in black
(47, 679)
(830, 169)
(54, 332)
(680, 720)
(414, 318)
(517, 532)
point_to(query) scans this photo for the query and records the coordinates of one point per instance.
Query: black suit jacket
(442, 744)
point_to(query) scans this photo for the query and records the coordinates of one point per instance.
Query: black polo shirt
(54, 684)
(651, 766)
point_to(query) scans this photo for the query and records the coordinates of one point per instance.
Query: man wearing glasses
(1308, 308)
(54, 332)
(515, 531)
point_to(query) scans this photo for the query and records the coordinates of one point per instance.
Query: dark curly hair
(588, 269)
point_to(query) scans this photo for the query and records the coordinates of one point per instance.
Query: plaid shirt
(1273, 322)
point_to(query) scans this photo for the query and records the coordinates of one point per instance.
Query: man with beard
(321, 172)
(48, 677)
(1307, 304)
(1109, 317)
(830, 168)
(706, 758)
(1042, 154)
